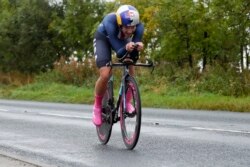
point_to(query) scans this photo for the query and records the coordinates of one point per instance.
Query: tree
(5, 13)
(232, 22)
(73, 24)
(214, 30)
(176, 31)
(27, 47)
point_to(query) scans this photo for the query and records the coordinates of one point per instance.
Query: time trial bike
(116, 110)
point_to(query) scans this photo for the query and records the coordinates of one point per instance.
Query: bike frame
(115, 108)
(121, 91)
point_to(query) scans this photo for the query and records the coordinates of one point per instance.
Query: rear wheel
(104, 131)
(131, 121)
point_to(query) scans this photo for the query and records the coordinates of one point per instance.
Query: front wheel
(130, 120)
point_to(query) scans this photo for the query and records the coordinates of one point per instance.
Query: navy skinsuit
(107, 38)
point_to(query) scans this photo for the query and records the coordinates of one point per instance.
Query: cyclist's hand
(130, 46)
(139, 46)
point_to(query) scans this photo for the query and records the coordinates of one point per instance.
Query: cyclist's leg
(132, 70)
(134, 56)
(103, 56)
(101, 83)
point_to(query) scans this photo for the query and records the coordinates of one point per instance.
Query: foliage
(175, 29)
(44, 91)
(70, 71)
(216, 80)
(35, 33)
(25, 44)
(72, 26)
(225, 82)
(15, 78)
(55, 92)
(208, 30)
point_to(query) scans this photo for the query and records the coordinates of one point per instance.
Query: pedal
(130, 115)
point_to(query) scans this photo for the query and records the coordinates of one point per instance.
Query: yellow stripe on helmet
(118, 18)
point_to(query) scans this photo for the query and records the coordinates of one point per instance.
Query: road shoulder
(12, 162)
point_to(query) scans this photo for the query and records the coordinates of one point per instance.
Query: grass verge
(55, 92)
(52, 92)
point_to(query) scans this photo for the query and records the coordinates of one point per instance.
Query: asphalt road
(51, 134)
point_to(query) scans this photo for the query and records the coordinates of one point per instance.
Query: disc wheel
(104, 131)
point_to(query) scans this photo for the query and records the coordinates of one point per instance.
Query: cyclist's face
(128, 30)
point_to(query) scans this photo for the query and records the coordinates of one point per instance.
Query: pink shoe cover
(97, 116)
(130, 108)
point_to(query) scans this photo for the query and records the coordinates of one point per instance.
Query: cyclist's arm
(138, 37)
(119, 45)
(138, 33)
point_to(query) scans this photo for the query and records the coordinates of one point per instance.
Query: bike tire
(104, 131)
(131, 122)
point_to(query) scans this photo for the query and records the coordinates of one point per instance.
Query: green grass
(199, 101)
(170, 98)
(52, 92)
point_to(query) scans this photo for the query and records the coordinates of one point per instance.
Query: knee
(104, 78)
(105, 74)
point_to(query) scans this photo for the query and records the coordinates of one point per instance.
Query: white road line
(221, 130)
(62, 115)
(3, 109)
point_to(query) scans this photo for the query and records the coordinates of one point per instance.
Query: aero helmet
(127, 15)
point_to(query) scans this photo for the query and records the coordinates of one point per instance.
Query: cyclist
(121, 32)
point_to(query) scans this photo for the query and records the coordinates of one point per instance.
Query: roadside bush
(225, 82)
(216, 80)
(183, 79)
(71, 71)
(50, 76)
(15, 78)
